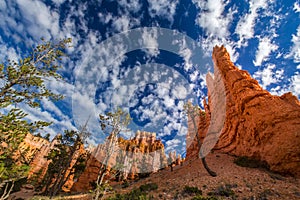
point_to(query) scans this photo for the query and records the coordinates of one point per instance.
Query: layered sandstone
(139, 155)
(254, 123)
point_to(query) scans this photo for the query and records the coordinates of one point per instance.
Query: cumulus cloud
(172, 144)
(265, 47)
(209, 43)
(7, 52)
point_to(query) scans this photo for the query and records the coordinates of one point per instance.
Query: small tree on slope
(193, 112)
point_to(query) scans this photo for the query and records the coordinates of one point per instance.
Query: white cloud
(149, 41)
(295, 84)
(185, 52)
(209, 43)
(265, 47)
(37, 114)
(172, 144)
(295, 50)
(268, 75)
(245, 27)
(131, 5)
(296, 7)
(39, 19)
(7, 52)
(163, 8)
(58, 2)
(169, 102)
(212, 18)
(180, 92)
(121, 24)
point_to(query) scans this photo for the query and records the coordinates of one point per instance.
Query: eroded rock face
(257, 124)
(141, 154)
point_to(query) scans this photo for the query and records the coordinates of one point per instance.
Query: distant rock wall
(257, 124)
(141, 154)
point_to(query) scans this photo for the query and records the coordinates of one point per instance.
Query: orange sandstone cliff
(256, 124)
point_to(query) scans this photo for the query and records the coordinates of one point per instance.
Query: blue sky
(151, 56)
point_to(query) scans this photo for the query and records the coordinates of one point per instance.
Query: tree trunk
(212, 173)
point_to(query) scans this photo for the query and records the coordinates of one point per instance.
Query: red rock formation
(257, 124)
(141, 154)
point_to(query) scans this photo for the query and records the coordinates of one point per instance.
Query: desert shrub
(192, 190)
(223, 190)
(148, 187)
